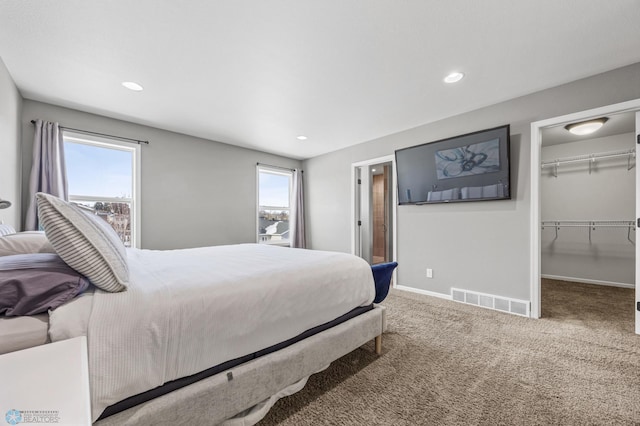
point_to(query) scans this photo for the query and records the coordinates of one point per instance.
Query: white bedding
(23, 332)
(71, 319)
(188, 310)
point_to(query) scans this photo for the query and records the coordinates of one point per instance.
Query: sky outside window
(97, 171)
(274, 189)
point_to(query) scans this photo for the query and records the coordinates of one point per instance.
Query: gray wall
(481, 246)
(10, 109)
(195, 192)
(608, 193)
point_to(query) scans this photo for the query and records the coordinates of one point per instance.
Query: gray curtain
(298, 239)
(48, 171)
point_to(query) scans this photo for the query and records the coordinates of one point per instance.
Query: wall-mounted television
(471, 167)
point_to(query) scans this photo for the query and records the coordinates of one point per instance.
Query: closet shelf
(591, 158)
(591, 225)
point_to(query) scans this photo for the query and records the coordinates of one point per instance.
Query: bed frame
(222, 396)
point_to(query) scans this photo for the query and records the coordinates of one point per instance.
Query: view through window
(274, 201)
(101, 178)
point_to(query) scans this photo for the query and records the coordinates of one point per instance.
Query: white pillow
(6, 229)
(85, 242)
(25, 243)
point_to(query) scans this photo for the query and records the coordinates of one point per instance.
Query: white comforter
(188, 310)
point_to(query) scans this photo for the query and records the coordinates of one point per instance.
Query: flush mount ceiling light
(586, 127)
(454, 77)
(132, 86)
(302, 138)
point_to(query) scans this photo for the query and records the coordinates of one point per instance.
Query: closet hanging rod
(591, 225)
(589, 157)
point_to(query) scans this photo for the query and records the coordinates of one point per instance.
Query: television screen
(471, 167)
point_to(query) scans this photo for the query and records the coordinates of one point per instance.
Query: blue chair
(382, 276)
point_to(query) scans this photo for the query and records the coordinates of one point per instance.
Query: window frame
(135, 201)
(277, 171)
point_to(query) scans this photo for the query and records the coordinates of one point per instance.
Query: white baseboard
(588, 281)
(425, 292)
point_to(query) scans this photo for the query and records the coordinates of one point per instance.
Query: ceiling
(258, 73)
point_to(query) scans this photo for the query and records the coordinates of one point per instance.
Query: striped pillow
(85, 242)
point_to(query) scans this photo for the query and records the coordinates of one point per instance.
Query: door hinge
(638, 137)
(638, 223)
(638, 306)
(360, 180)
(360, 222)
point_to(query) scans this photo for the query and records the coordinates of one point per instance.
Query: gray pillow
(85, 242)
(25, 243)
(34, 283)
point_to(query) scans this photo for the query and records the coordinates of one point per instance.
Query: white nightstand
(46, 384)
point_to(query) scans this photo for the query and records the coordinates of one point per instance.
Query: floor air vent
(489, 301)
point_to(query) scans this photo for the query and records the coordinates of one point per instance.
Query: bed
(216, 333)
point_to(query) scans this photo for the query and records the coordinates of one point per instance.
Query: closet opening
(587, 221)
(588, 236)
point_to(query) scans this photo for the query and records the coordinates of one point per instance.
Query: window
(103, 177)
(274, 201)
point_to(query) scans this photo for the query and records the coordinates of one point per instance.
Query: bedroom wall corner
(10, 141)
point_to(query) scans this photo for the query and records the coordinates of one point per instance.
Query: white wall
(195, 192)
(608, 193)
(481, 246)
(10, 109)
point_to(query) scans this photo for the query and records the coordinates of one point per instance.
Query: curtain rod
(101, 134)
(278, 167)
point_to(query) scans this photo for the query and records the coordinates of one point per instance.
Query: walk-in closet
(588, 202)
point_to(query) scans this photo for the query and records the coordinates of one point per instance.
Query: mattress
(23, 332)
(256, 383)
(188, 310)
(186, 381)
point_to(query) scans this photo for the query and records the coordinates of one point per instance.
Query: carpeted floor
(446, 363)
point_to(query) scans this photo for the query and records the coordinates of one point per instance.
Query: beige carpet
(448, 363)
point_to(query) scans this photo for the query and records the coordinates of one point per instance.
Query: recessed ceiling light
(454, 77)
(586, 127)
(132, 86)
(302, 138)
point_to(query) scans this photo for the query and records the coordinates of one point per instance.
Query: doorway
(374, 199)
(545, 128)
(381, 212)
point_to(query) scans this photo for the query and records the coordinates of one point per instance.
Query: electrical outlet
(429, 273)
